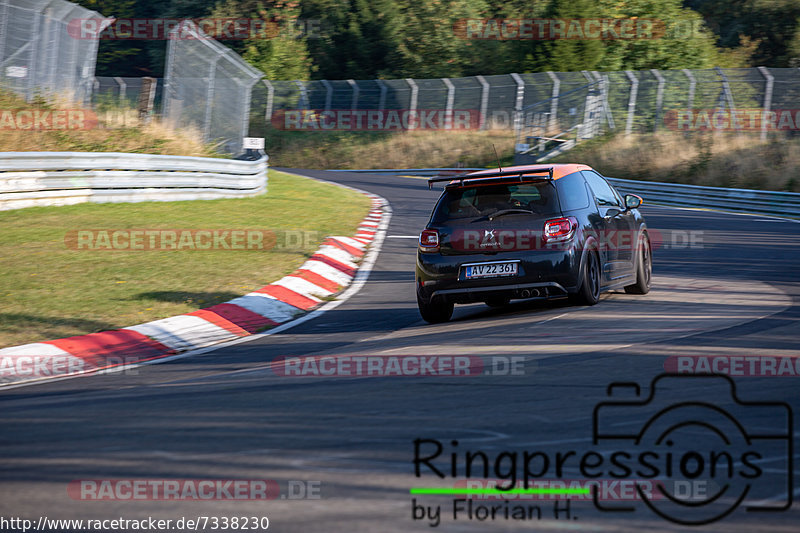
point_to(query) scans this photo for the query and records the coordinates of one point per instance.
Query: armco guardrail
(784, 204)
(30, 179)
(742, 200)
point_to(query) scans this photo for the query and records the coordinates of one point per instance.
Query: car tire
(435, 311)
(589, 290)
(498, 301)
(644, 269)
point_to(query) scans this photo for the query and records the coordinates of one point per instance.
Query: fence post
(303, 103)
(248, 99)
(659, 96)
(518, 104)
(412, 107)
(484, 101)
(692, 85)
(92, 55)
(170, 64)
(75, 60)
(146, 98)
(122, 90)
(212, 67)
(448, 110)
(328, 94)
(631, 100)
(726, 88)
(382, 98)
(770, 80)
(554, 102)
(270, 99)
(33, 60)
(604, 83)
(4, 19)
(354, 101)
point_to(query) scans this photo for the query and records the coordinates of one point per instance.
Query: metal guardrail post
(270, 100)
(168, 73)
(603, 79)
(382, 97)
(75, 60)
(770, 80)
(726, 88)
(659, 97)
(553, 125)
(122, 90)
(412, 107)
(328, 94)
(33, 64)
(303, 103)
(448, 110)
(354, 100)
(4, 19)
(212, 67)
(248, 98)
(631, 100)
(692, 85)
(484, 101)
(518, 103)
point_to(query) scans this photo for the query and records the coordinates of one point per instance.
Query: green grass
(48, 290)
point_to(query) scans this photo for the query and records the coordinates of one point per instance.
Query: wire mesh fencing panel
(49, 48)
(207, 86)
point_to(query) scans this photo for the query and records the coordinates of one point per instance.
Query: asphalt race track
(342, 448)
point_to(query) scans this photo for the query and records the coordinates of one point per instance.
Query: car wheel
(435, 311)
(589, 291)
(644, 270)
(498, 301)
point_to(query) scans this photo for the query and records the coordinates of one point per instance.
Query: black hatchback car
(534, 231)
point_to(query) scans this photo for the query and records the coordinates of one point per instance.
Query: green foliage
(770, 25)
(281, 54)
(365, 39)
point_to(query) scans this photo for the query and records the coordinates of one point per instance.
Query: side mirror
(632, 201)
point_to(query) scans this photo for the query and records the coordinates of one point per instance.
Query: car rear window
(464, 203)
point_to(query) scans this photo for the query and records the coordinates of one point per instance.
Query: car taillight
(560, 229)
(429, 240)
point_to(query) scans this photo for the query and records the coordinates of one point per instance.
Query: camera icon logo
(693, 430)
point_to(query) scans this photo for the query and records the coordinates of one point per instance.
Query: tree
(280, 52)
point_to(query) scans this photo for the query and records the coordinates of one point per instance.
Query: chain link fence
(48, 48)
(549, 111)
(629, 101)
(207, 86)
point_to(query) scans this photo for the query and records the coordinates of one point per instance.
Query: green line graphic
(445, 490)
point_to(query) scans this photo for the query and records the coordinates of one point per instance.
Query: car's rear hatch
(495, 218)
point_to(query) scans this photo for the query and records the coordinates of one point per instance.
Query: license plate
(490, 270)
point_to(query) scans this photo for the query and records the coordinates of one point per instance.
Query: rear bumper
(542, 274)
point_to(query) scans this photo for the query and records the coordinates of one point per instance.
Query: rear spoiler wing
(501, 175)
